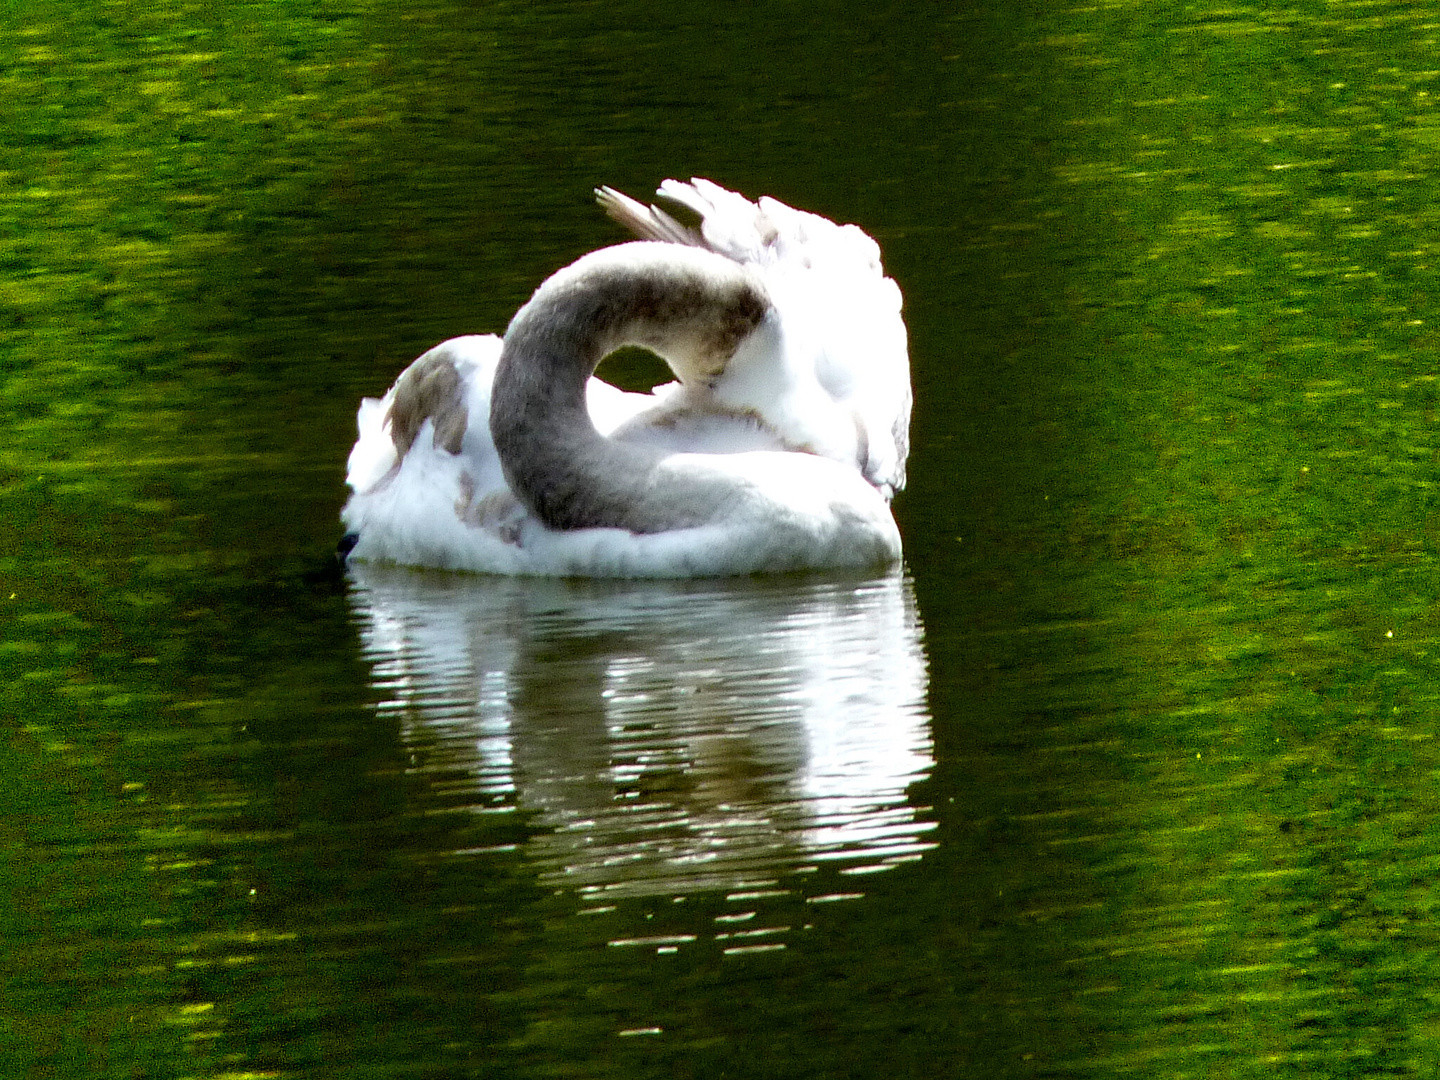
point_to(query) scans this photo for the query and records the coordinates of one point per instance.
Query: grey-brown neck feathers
(691, 306)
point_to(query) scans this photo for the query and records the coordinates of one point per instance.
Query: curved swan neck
(689, 305)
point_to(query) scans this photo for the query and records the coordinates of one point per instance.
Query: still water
(1132, 772)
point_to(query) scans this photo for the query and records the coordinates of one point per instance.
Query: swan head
(691, 307)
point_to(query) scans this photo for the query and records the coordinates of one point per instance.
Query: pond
(1132, 770)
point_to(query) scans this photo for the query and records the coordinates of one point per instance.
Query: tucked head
(687, 305)
(690, 306)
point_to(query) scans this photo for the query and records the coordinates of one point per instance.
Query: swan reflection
(672, 736)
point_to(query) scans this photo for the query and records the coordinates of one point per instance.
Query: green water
(1171, 530)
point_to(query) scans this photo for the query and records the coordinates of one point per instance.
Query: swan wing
(425, 478)
(831, 375)
(646, 222)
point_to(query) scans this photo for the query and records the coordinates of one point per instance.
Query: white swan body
(777, 449)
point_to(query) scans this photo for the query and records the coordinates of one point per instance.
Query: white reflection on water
(674, 736)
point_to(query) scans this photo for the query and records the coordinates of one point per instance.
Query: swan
(779, 446)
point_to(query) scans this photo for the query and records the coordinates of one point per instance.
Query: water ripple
(672, 736)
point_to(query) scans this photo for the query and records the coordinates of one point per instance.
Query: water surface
(1133, 773)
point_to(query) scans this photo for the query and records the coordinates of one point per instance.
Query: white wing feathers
(834, 378)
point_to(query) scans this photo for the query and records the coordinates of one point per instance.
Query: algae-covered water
(1132, 773)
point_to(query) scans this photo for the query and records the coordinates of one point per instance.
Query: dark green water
(1151, 784)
